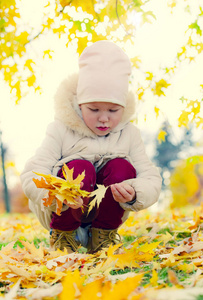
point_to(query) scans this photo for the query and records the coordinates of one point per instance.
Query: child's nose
(103, 117)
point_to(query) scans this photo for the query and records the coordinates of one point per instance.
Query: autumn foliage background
(164, 41)
(166, 78)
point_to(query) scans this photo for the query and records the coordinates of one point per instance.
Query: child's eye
(93, 109)
(113, 110)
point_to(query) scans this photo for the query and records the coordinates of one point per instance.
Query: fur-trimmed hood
(68, 139)
(68, 111)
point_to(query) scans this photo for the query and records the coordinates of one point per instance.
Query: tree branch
(120, 20)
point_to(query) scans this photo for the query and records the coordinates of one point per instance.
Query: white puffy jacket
(68, 138)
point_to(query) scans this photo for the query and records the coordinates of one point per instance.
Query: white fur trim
(68, 111)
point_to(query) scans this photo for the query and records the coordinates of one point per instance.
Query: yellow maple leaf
(122, 260)
(28, 64)
(64, 3)
(31, 80)
(72, 284)
(161, 136)
(20, 271)
(82, 44)
(92, 290)
(194, 107)
(99, 195)
(87, 6)
(59, 30)
(150, 76)
(183, 120)
(136, 61)
(49, 22)
(122, 289)
(199, 122)
(141, 253)
(156, 109)
(140, 93)
(166, 237)
(36, 253)
(158, 90)
(61, 189)
(154, 278)
(23, 37)
(187, 267)
(148, 248)
(112, 249)
(48, 52)
(17, 89)
(68, 175)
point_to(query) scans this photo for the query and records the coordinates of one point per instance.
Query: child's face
(101, 117)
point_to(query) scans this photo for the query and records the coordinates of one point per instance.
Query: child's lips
(103, 128)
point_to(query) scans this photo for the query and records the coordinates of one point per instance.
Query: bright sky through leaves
(156, 45)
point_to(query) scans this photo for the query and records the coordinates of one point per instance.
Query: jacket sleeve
(148, 182)
(43, 161)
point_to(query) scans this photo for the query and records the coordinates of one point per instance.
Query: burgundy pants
(109, 214)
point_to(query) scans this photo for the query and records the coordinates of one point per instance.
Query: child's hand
(78, 204)
(79, 201)
(123, 192)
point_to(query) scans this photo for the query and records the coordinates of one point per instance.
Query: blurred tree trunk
(6, 194)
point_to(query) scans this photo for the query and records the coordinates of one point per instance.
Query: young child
(92, 132)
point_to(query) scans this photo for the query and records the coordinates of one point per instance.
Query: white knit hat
(104, 71)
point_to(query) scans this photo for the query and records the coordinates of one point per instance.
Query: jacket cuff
(131, 202)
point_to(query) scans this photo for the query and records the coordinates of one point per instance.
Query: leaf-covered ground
(162, 259)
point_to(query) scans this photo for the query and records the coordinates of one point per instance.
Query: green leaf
(88, 27)
(196, 27)
(193, 160)
(138, 3)
(78, 25)
(2, 22)
(147, 16)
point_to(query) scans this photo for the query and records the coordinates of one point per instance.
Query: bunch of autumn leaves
(68, 189)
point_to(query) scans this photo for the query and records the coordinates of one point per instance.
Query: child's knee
(81, 165)
(118, 170)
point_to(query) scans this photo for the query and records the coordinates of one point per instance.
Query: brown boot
(102, 238)
(64, 239)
